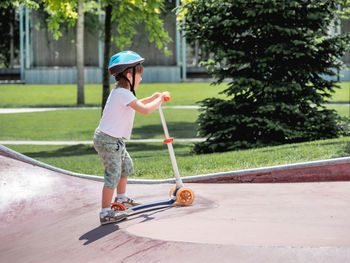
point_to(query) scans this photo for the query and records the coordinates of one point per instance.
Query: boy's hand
(156, 95)
(164, 95)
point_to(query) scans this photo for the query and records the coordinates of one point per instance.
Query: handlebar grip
(167, 98)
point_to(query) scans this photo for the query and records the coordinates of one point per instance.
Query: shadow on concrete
(98, 233)
(105, 230)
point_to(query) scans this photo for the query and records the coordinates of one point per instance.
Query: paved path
(48, 216)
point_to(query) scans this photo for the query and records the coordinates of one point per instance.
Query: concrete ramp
(46, 216)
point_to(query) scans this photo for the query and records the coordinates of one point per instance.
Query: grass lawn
(65, 95)
(343, 110)
(80, 125)
(151, 160)
(342, 95)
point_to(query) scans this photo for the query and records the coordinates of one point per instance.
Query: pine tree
(277, 54)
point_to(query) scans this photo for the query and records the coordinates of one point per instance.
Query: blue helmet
(122, 61)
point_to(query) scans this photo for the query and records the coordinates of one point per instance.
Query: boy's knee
(127, 168)
(111, 180)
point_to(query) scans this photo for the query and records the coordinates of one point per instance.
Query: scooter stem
(168, 141)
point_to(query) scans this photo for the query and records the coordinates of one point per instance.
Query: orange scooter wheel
(184, 196)
(118, 207)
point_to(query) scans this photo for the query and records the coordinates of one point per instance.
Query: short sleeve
(127, 97)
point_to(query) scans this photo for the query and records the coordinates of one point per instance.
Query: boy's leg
(107, 196)
(111, 180)
(111, 177)
(127, 170)
(121, 188)
(110, 152)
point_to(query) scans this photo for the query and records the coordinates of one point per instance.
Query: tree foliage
(277, 54)
(126, 15)
(8, 19)
(32, 4)
(120, 15)
(66, 12)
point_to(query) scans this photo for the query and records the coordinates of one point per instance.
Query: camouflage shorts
(115, 158)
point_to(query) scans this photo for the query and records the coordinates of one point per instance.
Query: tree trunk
(80, 53)
(11, 46)
(107, 47)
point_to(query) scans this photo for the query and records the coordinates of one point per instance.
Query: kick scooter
(179, 195)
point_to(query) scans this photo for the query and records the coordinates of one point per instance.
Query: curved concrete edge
(337, 169)
(16, 155)
(13, 154)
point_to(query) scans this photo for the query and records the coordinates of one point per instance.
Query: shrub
(277, 54)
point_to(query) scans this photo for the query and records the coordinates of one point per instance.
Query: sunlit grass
(65, 95)
(81, 124)
(152, 160)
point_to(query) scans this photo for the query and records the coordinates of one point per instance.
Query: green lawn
(343, 110)
(81, 124)
(152, 160)
(342, 95)
(65, 95)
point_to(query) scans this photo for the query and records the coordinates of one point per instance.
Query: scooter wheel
(172, 190)
(184, 196)
(118, 207)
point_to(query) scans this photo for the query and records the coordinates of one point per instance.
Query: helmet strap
(132, 88)
(132, 85)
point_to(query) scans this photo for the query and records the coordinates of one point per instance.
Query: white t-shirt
(118, 118)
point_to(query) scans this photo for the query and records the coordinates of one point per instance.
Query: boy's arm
(148, 108)
(145, 109)
(151, 98)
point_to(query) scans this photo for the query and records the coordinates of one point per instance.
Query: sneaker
(112, 216)
(127, 202)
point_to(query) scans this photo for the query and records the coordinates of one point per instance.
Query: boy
(116, 123)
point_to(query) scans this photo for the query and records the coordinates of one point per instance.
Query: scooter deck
(149, 205)
(140, 209)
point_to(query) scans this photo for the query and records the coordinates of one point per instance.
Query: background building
(46, 60)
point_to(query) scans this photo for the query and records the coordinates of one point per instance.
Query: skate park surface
(47, 216)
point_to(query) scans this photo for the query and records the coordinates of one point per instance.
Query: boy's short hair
(123, 82)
